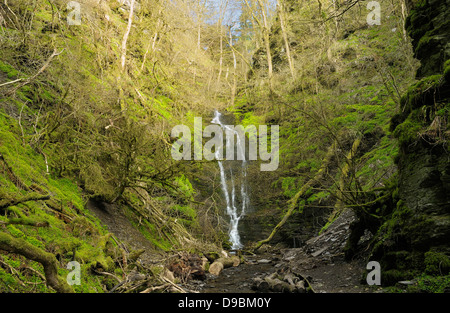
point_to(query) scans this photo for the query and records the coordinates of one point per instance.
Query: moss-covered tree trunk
(48, 260)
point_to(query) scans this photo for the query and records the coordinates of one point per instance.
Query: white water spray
(228, 183)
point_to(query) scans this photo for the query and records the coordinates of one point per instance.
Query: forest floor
(335, 277)
(320, 260)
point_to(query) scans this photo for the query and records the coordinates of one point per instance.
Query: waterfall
(232, 175)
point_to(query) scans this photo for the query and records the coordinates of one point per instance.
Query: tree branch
(32, 196)
(48, 260)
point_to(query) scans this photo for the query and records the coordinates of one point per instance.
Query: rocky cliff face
(415, 238)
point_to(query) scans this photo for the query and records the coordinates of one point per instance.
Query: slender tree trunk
(404, 15)
(265, 30)
(221, 58)
(266, 36)
(125, 37)
(285, 38)
(223, 8)
(294, 200)
(233, 88)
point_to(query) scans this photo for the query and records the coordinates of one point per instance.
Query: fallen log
(223, 262)
(48, 260)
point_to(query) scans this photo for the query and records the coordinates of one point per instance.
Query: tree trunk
(266, 35)
(48, 260)
(285, 38)
(125, 37)
(233, 87)
(32, 196)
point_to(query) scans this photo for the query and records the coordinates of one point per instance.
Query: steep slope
(87, 103)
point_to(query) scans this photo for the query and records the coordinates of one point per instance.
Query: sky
(232, 12)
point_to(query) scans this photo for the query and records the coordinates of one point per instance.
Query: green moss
(8, 70)
(391, 277)
(431, 284)
(408, 131)
(421, 93)
(436, 263)
(289, 186)
(447, 70)
(184, 186)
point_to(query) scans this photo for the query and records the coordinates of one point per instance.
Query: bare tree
(125, 36)
(281, 16)
(265, 30)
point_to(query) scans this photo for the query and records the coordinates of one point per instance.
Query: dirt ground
(321, 260)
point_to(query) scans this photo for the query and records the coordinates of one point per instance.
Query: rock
(300, 286)
(264, 261)
(406, 282)
(212, 256)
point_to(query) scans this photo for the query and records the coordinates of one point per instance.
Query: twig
(46, 64)
(11, 82)
(109, 274)
(20, 124)
(174, 285)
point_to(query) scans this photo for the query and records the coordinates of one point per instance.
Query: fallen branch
(293, 202)
(32, 196)
(12, 176)
(221, 263)
(11, 82)
(26, 221)
(42, 69)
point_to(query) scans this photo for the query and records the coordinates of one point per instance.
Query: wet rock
(264, 261)
(332, 241)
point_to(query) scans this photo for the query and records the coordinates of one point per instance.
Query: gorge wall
(415, 236)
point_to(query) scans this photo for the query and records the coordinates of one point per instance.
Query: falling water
(230, 176)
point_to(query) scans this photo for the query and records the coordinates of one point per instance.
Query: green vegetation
(86, 113)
